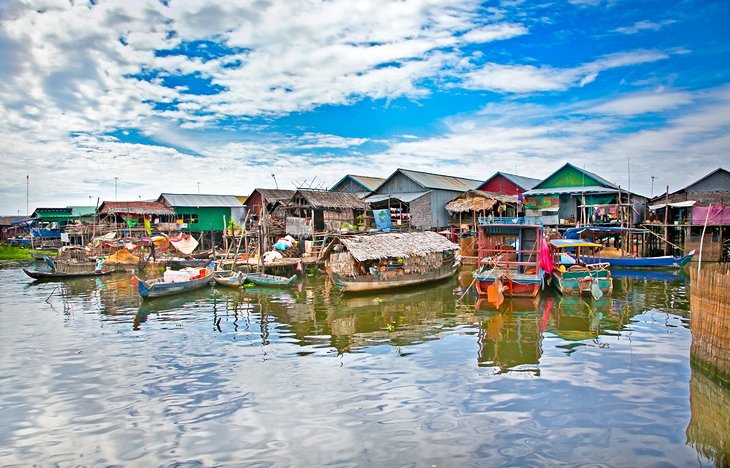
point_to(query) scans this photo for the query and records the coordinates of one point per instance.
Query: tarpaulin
(185, 243)
(382, 220)
(718, 215)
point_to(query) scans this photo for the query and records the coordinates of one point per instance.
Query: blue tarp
(382, 220)
(575, 233)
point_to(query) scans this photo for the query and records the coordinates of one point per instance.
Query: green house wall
(206, 217)
(569, 177)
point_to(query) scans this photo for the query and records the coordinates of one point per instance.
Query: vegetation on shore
(9, 252)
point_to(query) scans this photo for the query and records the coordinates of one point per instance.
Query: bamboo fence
(710, 319)
(708, 430)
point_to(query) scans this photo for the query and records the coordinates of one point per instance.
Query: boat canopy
(598, 231)
(570, 243)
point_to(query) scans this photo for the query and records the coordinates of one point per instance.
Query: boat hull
(641, 262)
(230, 280)
(523, 287)
(46, 275)
(579, 282)
(270, 280)
(150, 291)
(375, 283)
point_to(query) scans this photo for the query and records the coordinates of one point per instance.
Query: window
(189, 218)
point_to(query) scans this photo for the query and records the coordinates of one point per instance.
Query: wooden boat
(185, 262)
(509, 255)
(159, 287)
(60, 269)
(385, 261)
(262, 279)
(571, 276)
(229, 279)
(596, 233)
(665, 261)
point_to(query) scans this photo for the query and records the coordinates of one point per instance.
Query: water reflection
(310, 376)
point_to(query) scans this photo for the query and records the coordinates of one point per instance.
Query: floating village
(573, 234)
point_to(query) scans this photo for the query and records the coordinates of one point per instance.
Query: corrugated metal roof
(325, 199)
(371, 183)
(8, 220)
(82, 210)
(199, 200)
(525, 183)
(587, 189)
(439, 181)
(135, 207)
(404, 197)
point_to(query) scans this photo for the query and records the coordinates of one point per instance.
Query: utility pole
(652, 187)
(27, 195)
(198, 187)
(115, 188)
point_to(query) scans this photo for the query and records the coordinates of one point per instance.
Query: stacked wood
(710, 319)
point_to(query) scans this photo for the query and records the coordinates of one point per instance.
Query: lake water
(92, 376)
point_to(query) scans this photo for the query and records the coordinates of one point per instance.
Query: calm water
(91, 376)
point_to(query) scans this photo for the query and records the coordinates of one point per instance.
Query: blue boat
(596, 232)
(262, 279)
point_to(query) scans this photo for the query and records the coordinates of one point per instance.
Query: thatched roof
(478, 200)
(135, 207)
(321, 199)
(377, 246)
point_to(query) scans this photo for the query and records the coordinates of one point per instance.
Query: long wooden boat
(386, 261)
(185, 262)
(606, 233)
(509, 252)
(229, 279)
(158, 287)
(666, 261)
(46, 275)
(262, 279)
(62, 268)
(375, 283)
(571, 276)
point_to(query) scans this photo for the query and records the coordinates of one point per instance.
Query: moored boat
(175, 282)
(386, 261)
(262, 279)
(623, 259)
(229, 279)
(60, 269)
(571, 276)
(510, 251)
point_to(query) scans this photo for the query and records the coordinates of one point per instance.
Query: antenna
(277, 183)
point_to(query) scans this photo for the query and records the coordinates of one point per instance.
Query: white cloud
(641, 103)
(531, 78)
(643, 26)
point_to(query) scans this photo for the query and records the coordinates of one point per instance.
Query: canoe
(45, 275)
(365, 283)
(262, 279)
(229, 279)
(158, 287)
(666, 261)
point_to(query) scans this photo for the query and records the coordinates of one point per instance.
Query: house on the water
(508, 184)
(362, 186)
(310, 212)
(573, 195)
(135, 218)
(417, 199)
(680, 216)
(205, 213)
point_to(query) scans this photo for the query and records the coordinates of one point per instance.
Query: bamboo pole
(702, 238)
(666, 221)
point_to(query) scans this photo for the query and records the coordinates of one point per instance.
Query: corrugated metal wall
(400, 184)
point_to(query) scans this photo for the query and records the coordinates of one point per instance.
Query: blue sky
(163, 95)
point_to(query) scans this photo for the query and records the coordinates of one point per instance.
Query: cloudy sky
(172, 95)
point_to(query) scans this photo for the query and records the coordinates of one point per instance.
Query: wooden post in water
(666, 222)
(702, 238)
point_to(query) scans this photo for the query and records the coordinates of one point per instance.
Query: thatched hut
(392, 254)
(313, 211)
(467, 207)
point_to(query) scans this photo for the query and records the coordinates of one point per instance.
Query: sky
(184, 96)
